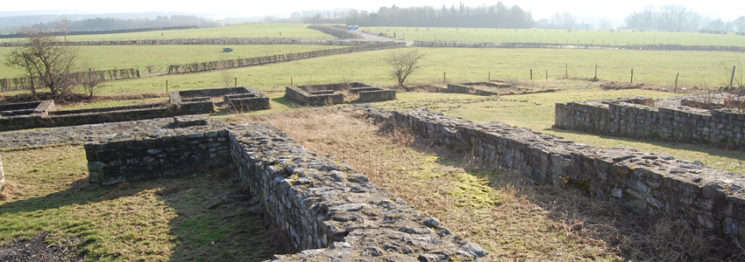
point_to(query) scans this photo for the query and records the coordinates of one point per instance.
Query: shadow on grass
(703, 148)
(215, 220)
(284, 101)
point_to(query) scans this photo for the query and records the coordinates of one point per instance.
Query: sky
(612, 10)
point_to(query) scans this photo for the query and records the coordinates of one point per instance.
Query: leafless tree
(91, 81)
(64, 27)
(225, 72)
(46, 63)
(403, 64)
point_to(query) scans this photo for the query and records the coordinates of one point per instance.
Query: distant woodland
(494, 16)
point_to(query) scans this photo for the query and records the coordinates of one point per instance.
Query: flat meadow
(557, 36)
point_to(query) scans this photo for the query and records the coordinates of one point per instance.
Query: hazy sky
(614, 10)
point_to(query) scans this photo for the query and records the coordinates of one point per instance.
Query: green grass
(158, 57)
(161, 220)
(536, 112)
(598, 37)
(701, 69)
(249, 30)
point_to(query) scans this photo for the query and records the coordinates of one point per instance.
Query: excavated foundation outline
(327, 209)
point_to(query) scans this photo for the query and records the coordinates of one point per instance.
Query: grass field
(598, 37)
(536, 112)
(697, 69)
(192, 218)
(249, 30)
(158, 57)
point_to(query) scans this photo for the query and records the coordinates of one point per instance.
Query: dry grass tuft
(505, 213)
(12, 190)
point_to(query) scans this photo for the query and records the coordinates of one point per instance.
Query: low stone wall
(239, 98)
(327, 209)
(302, 97)
(579, 46)
(132, 160)
(647, 183)
(26, 108)
(467, 89)
(181, 103)
(327, 94)
(111, 114)
(376, 95)
(627, 118)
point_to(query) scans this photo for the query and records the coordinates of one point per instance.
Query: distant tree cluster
(107, 24)
(494, 16)
(675, 18)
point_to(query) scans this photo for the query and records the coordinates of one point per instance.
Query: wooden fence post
(596, 73)
(732, 78)
(632, 76)
(531, 74)
(675, 89)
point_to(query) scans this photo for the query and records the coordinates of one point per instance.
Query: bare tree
(46, 63)
(91, 81)
(225, 72)
(64, 27)
(403, 64)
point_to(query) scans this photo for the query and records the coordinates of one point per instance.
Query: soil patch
(39, 248)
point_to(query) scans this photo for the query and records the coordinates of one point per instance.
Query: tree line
(675, 18)
(493, 16)
(113, 24)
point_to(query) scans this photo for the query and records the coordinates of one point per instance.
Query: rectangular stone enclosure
(688, 120)
(41, 113)
(241, 99)
(328, 210)
(332, 94)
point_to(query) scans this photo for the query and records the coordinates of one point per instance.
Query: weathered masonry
(41, 114)
(238, 98)
(477, 88)
(328, 210)
(332, 94)
(675, 119)
(647, 183)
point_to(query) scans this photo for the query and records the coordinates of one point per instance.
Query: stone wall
(302, 97)
(103, 115)
(328, 94)
(376, 95)
(132, 160)
(239, 98)
(578, 46)
(327, 209)
(255, 61)
(465, 88)
(627, 118)
(208, 41)
(181, 103)
(26, 108)
(646, 183)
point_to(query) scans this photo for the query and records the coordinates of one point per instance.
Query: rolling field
(697, 69)
(250, 30)
(158, 57)
(177, 219)
(597, 37)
